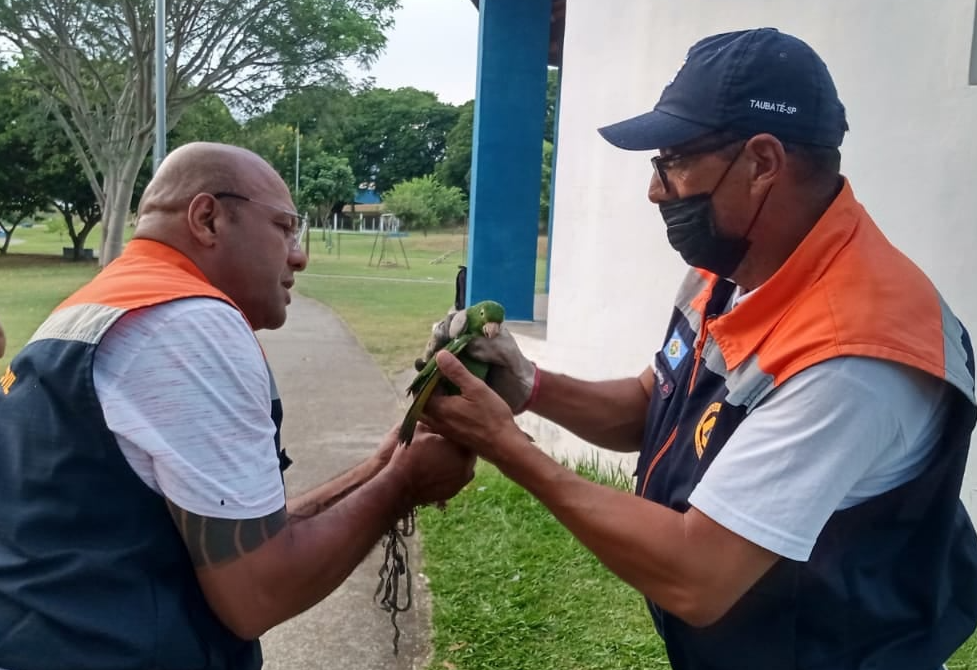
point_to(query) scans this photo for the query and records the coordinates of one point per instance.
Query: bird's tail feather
(407, 427)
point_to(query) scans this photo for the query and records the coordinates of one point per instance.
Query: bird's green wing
(409, 424)
(429, 378)
(476, 367)
(454, 346)
(421, 377)
(423, 386)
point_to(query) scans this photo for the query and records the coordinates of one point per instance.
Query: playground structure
(389, 229)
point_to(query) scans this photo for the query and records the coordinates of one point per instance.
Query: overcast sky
(432, 47)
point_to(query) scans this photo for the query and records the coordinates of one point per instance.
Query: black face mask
(690, 224)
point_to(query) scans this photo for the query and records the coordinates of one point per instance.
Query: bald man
(144, 518)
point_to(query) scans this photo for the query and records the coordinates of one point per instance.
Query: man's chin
(272, 321)
(275, 324)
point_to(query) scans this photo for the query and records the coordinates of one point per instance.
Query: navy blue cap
(751, 81)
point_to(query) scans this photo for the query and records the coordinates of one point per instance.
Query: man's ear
(768, 160)
(201, 216)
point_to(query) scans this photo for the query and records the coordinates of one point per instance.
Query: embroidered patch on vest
(675, 350)
(703, 429)
(7, 381)
(665, 385)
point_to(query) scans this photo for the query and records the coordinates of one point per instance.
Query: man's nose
(297, 260)
(657, 192)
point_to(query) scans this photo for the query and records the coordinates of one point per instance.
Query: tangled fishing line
(393, 593)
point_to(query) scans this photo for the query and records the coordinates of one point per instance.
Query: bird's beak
(491, 329)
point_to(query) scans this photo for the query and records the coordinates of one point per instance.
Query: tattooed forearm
(309, 510)
(213, 541)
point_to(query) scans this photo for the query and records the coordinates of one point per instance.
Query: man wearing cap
(804, 427)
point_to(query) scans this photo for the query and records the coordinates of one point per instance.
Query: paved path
(338, 404)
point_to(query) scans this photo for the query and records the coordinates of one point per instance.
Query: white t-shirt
(832, 436)
(186, 390)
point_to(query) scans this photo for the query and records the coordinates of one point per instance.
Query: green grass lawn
(34, 279)
(32, 287)
(512, 589)
(38, 238)
(966, 656)
(390, 306)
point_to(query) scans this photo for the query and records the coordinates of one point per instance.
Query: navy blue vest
(891, 583)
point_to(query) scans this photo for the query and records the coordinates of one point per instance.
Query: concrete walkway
(338, 404)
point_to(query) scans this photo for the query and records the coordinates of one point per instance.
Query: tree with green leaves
(424, 203)
(395, 136)
(275, 142)
(544, 187)
(95, 65)
(45, 171)
(81, 213)
(20, 194)
(455, 169)
(63, 181)
(552, 93)
(207, 120)
(321, 114)
(325, 181)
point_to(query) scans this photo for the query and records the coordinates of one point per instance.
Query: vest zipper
(699, 346)
(658, 456)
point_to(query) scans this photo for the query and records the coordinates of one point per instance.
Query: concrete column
(510, 105)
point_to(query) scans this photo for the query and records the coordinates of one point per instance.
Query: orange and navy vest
(891, 582)
(93, 573)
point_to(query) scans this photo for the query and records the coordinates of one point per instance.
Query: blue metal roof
(367, 196)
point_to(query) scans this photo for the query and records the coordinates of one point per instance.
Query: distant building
(366, 210)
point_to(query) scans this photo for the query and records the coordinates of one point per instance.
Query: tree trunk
(70, 225)
(78, 241)
(120, 181)
(113, 220)
(8, 234)
(80, 234)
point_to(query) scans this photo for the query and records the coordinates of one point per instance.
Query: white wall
(902, 71)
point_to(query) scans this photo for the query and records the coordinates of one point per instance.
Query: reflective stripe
(955, 354)
(85, 323)
(749, 384)
(692, 286)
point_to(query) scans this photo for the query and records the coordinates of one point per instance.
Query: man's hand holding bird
(482, 320)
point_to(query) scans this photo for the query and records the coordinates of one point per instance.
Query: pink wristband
(532, 394)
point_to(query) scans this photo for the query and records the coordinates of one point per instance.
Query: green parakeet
(481, 319)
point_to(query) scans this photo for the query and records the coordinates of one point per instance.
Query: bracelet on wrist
(531, 400)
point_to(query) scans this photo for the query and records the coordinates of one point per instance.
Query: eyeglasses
(663, 163)
(294, 226)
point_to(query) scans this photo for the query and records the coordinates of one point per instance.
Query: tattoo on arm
(212, 541)
(315, 507)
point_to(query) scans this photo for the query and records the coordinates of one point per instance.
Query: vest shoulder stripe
(85, 323)
(959, 355)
